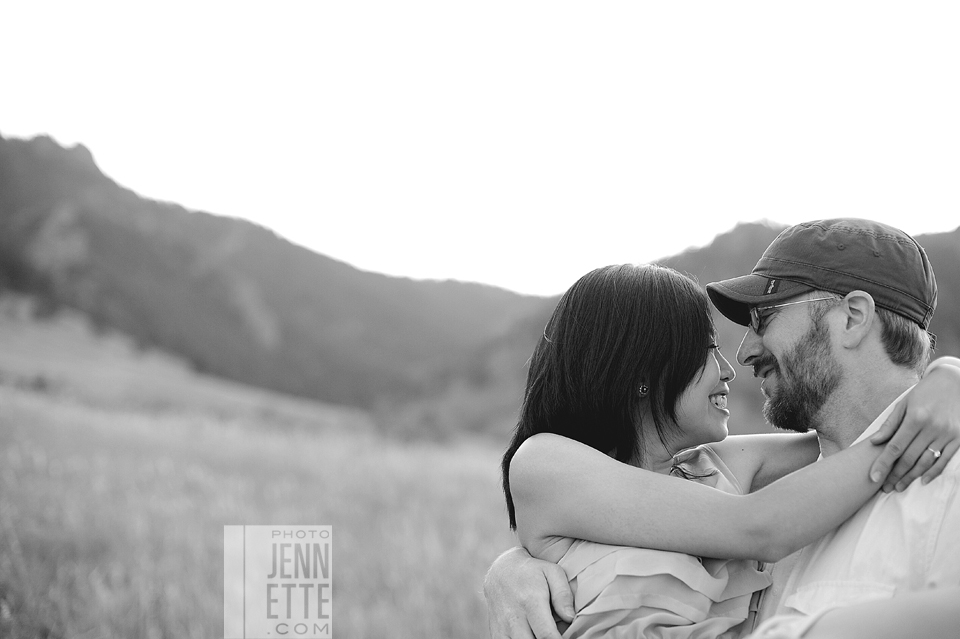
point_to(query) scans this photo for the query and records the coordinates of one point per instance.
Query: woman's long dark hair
(616, 328)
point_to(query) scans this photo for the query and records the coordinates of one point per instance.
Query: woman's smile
(720, 401)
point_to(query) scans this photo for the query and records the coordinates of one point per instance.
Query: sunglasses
(757, 320)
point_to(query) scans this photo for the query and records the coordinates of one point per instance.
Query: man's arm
(519, 590)
(932, 614)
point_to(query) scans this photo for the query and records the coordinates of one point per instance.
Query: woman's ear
(859, 314)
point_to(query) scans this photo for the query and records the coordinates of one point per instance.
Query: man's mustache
(765, 361)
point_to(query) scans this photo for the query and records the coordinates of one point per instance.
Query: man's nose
(750, 348)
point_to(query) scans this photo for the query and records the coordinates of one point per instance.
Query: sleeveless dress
(639, 593)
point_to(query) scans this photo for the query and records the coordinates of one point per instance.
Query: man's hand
(519, 591)
(929, 422)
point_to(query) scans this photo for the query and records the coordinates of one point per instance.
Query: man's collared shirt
(897, 542)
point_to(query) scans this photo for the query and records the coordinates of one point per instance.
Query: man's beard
(808, 375)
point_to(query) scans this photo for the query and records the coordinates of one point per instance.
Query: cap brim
(734, 297)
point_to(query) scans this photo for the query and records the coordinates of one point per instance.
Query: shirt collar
(878, 422)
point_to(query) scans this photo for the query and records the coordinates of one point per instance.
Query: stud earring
(643, 390)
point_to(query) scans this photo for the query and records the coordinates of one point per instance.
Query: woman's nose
(727, 373)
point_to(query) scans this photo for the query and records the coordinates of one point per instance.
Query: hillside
(231, 297)
(497, 371)
(425, 358)
(121, 466)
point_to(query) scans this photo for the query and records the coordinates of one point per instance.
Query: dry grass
(112, 504)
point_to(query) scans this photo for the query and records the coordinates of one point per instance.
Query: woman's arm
(929, 417)
(759, 460)
(936, 400)
(567, 489)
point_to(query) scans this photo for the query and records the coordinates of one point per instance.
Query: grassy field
(119, 469)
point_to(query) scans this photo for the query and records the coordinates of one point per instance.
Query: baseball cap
(838, 256)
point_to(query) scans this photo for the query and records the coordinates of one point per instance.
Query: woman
(628, 367)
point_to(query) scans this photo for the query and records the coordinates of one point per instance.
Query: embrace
(639, 517)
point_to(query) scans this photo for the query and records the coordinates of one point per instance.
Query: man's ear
(859, 315)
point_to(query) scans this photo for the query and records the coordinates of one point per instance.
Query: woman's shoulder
(541, 440)
(705, 465)
(535, 448)
(543, 447)
(542, 458)
(701, 458)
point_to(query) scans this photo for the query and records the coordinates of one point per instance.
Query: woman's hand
(926, 422)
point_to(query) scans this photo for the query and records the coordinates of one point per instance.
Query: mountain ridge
(235, 299)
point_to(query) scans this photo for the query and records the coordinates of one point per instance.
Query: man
(838, 312)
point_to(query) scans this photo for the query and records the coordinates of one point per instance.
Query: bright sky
(514, 143)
